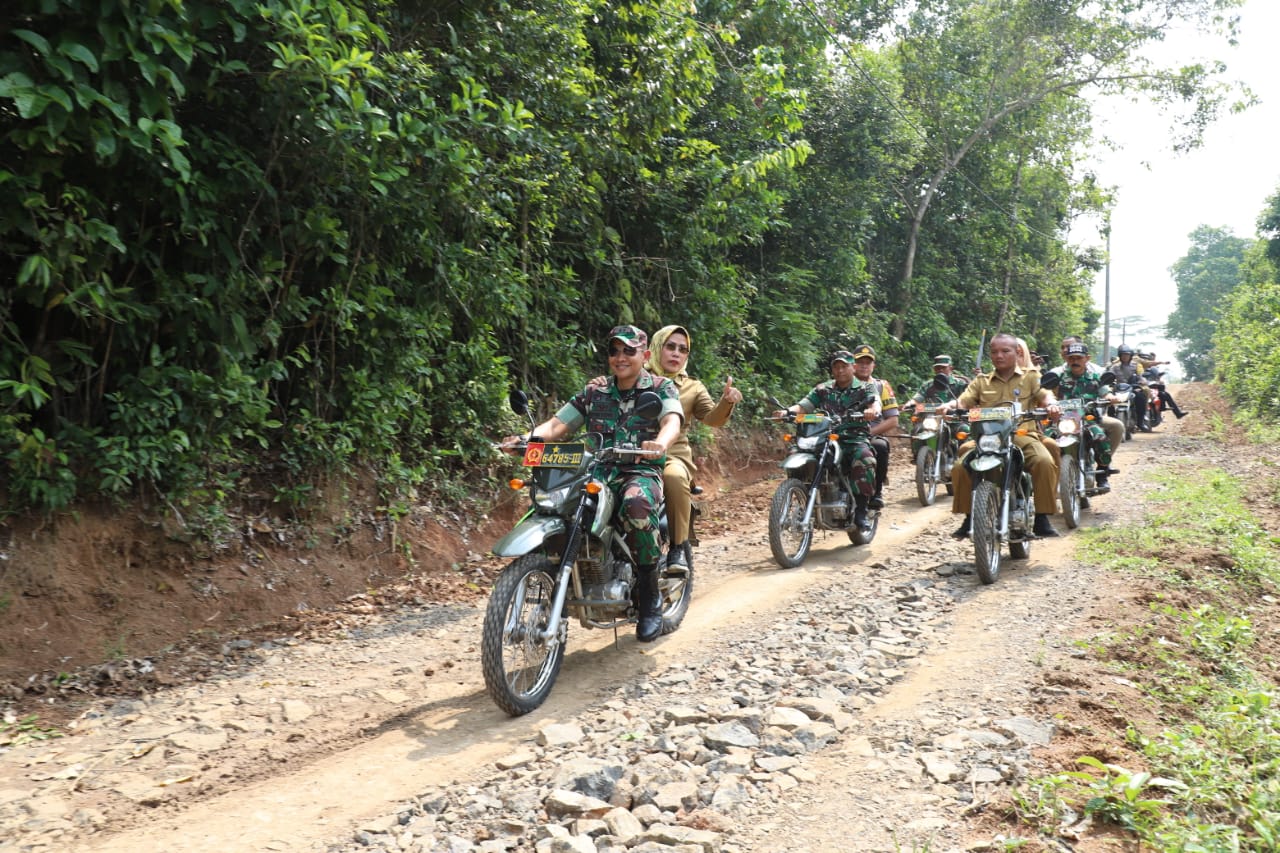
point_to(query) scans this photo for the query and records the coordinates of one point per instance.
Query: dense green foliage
(280, 238)
(1206, 277)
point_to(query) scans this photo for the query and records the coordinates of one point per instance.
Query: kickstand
(615, 635)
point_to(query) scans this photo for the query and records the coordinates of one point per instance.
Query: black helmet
(1124, 349)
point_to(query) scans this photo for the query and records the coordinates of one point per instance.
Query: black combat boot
(860, 514)
(962, 532)
(648, 600)
(1100, 482)
(1042, 527)
(676, 558)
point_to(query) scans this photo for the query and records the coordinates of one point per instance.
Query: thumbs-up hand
(733, 395)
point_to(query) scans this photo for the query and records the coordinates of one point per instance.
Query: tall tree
(972, 66)
(1206, 277)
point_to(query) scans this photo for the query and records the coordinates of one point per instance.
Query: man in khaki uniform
(1009, 383)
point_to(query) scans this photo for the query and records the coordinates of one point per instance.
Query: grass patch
(1210, 779)
(17, 731)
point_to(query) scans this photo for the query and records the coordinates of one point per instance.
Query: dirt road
(376, 733)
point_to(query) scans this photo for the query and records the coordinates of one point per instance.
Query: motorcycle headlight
(931, 422)
(552, 498)
(1068, 426)
(989, 443)
(810, 443)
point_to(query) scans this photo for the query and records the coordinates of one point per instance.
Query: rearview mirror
(648, 405)
(518, 401)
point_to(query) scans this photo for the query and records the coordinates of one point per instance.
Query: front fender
(797, 462)
(529, 534)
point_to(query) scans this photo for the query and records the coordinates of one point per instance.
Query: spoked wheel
(859, 536)
(1021, 549)
(789, 537)
(948, 461)
(520, 667)
(677, 591)
(1068, 494)
(984, 528)
(926, 482)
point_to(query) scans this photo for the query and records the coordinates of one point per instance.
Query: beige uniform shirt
(990, 390)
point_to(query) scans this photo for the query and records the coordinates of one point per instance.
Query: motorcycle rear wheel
(789, 539)
(677, 592)
(984, 529)
(519, 668)
(926, 482)
(1068, 496)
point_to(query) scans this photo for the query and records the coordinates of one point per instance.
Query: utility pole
(1106, 298)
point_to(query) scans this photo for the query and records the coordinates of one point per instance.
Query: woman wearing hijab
(669, 357)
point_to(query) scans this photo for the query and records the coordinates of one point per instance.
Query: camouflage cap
(842, 355)
(942, 361)
(629, 335)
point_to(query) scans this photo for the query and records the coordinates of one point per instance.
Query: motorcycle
(1125, 411)
(1155, 406)
(934, 447)
(816, 493)
(1003, 504)
(1078, 469)
(572, 561)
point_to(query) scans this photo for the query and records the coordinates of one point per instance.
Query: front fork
(573, 542)
(824, 459)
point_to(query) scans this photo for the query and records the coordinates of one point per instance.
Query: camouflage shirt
(931, 394)
(608, 411)
(829, 399)
(1086, 386)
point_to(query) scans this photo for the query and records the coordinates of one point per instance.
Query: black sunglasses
(614, 352)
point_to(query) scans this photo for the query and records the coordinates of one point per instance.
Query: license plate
(544, 455)
(810, 418)
(1071, 406)
(996, 414)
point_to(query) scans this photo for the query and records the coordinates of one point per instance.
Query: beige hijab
(654, 365)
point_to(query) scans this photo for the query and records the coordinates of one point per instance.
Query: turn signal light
(594, 488)
(1022, 431)
(787, 437)
(516, 483)
(962, 435)
(833, 437)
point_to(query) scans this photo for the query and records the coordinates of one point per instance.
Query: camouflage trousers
(639, 497)
(1101, 446)
(858, 462)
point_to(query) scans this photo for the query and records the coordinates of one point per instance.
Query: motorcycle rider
(1129, 369)
(1008, 381)
(1061, 369)
(1080, 383)
(1148, 362)
(932, 392)
(1113, 427)
(637, 485)
(838, 397)
(864, 364)
(670, 358)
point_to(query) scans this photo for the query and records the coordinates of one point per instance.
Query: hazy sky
(1163, 196)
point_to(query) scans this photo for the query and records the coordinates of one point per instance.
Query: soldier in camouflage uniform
(1080, 383)
(932, 392)
(840, 396)
(607, 410)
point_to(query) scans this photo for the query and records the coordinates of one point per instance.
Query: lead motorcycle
(1078, 469)
(572, 561)
(816, 493)
(1003, 501)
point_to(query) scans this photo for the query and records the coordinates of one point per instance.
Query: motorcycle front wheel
(789, 536)
(677, 592)
(520, 668)
(1068, 494)
(926, 482)
(984, 529)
